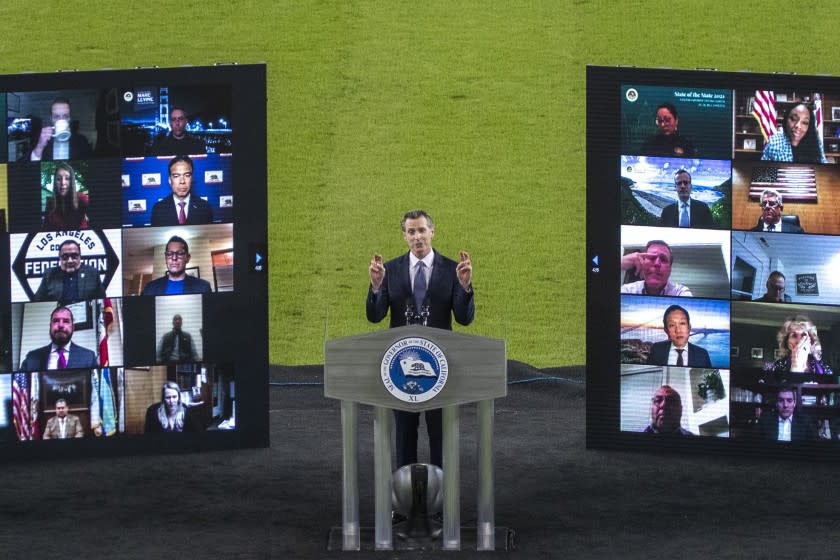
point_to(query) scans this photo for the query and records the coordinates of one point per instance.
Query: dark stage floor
(563, 500)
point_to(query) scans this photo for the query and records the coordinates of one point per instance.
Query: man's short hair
(672, 391)
(59, 100)
(69, 242)
(186, 159)
(59, 308)
(177, 108)
(415, 214)
(660, 242)
(786, 388)
(181, 240)
(674, 308)
(61, 400)
(771, 192)
(775, 274)
(680, 171)
(669, 106)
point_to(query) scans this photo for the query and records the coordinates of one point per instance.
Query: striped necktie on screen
(680, 361)
(420, 284)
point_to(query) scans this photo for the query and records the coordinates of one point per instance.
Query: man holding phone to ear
(428, 279)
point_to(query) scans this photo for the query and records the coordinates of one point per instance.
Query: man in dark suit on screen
(686, 212)
(771, 214)
(61, 353)
(71, 280)
(445, 287)
(677, 350)
(785, 423)
(183, 207)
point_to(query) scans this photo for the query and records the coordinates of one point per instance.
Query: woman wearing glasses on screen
(667, 141)
(170, 415)
(801, 350)
(66, 208)
(799, 142)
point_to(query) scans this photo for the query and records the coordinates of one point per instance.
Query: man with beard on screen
(61, 353)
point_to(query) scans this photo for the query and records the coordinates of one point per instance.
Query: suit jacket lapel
(404, 274)
(437, 271)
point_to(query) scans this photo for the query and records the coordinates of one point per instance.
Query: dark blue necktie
(419, 285)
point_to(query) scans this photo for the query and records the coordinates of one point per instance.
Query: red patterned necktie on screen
(182, 217)
(680, 361)
(62, 361)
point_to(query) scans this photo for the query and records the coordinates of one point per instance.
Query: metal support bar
(351, 536)
(486, 536)
(451, 479)
(382, 422)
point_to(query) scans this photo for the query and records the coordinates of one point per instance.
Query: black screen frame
(603, 362)
(243, 313)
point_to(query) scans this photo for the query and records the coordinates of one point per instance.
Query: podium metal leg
(486, 536)
(451, 479)
(350, 483)
(382, 421)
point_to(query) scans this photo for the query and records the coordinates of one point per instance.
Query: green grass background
(474, 111)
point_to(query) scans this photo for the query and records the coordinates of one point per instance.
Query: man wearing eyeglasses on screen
(686, 212)
(771, 214)
(176, 281)
(71, 280)
(775, 289)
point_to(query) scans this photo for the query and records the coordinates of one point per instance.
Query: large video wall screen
(713, 251)
(133, 296)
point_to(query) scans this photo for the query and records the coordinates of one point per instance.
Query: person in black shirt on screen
(667, 141)
(57, 141)
(178, 142)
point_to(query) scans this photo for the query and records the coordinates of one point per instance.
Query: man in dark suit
(677, 351)
(71, 280)
(687, 212)
(176, 281)
(420, 278)
(183, 207)
(61, 353)
(771, 214)
(57, 141)
(786, 424)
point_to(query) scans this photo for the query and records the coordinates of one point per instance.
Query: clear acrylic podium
(477, 373)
